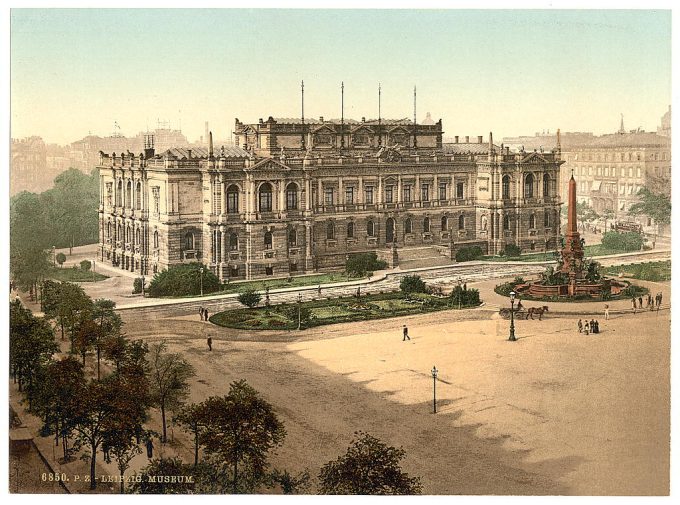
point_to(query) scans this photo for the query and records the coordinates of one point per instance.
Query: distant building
(34, 164)
(296, 196)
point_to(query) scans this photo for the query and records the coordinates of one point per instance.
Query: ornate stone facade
(296, 197)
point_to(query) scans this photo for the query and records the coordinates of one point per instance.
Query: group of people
(203, 312)
(592, 326)
(637, 303)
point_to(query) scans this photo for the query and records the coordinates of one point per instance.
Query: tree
(585, 213)
(85, 265)
(169, 374)
(250, 298)
(109, 324)
(28, 266)
(469, 253)
(370, 467)
(84, 334)
(189, 416)
(241, 428)
(412, 284)
(607, 215)
(183, 280)
(654, 205)
(359, 264)
(291, 484)
(61, 258)
(64, 302)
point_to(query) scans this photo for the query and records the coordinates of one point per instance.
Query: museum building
(297, 196)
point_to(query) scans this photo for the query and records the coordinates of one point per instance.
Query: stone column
(341, 194)
(417, 189)
(360, 191)
(435, 190)
(379, 198)
(399, 189)
(319, 193)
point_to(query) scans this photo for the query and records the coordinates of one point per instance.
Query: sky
(513, 72)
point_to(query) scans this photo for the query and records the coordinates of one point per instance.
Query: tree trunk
(122, 484)
(165, 434)
(98, 361)
(93, 462)
(195, 448)
(235, 486)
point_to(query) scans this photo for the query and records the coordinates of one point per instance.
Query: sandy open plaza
(556, 412)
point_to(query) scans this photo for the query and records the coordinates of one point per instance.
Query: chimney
(456, 139)
(261, 122)
(363, 119)
(480, 140)
(188, 153)
(321, 118)
(467, 139)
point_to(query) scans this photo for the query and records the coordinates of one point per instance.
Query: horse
(536, 310)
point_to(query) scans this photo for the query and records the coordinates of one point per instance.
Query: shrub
(512, 251)
(85, 265)
(250, 298)
(61, 258)
(360, 264)
(412, 284)
(469, 253)
(183, 280)
(464, 297)
(633, 291)
(137, 285)
(624, 242)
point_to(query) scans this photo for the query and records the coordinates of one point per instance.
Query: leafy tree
(608, 215)
(85, 265)
(28, 266)
(250, 298)
(370, 467)
(592, 271)
(108, 325)
(61, 258)
(64, 302)
(585, 213)
(85, 332)
(183, 280)
(654, 205)
(241, 428)
(464, 297)
(412, 284)
(190, 417)
(169, 376)
(360, 264)
(291, 484)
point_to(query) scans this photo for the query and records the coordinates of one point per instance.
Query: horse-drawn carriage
(522, 312)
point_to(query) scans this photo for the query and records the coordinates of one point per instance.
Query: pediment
(249, 129)
(534, 158)
(362, 129)
(323, 129)
(398, 129)
(269, 165)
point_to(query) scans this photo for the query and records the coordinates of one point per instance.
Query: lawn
(655, 271)
(292, 282)
(590, 251)
(322, 312)
(74, 274)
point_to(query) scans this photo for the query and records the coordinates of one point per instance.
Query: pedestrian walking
(596, 326)
(205, 313)
(200, 312)
(319, 289)
(149, 448)
(640, 302)
(580, 326)
(606, 311)
(660, 297)
(406, 334)
(586, 328)
(649, 299)
(634, 305)
(210, 343)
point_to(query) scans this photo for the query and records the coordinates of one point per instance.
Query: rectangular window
(425, 193)
(442, 191)
(232, 202)
(388, 194)
(459, 190)
(349, 195)
(328, 196)
(368, 193)
(407, 193)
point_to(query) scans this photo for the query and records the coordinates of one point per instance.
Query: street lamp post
(460, 292)
(434, 372)
(201, 281)
(299, 299)
(512, 317)
(143, 286)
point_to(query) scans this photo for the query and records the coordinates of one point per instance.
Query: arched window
(506, 187)
(506, 222)
(119, 232)
(233, 242)
(128, 233)
(426, 225)
(268, 240)
(119, 193)
(389, 230)
(128, 194)
(189, 241)
(138, 236)
(292, 237)
(546, 219)
(350, 230)
(155, 240)
(461, 222)
(138, 196)
(408, 226)
(266, 197)
(108, 229)
(232, 199)
(445, 223)
(532, 221)
(546, 185)
(292, 196)
(370, 229)
(529, 186)
(330, 230)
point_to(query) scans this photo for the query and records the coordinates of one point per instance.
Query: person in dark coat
(586, 327)
(210, 343)
(406, 334)
(200, 312)
(205, 313)
(580, 326)
(149, 448)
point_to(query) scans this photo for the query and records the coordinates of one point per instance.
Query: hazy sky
(512, 72)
